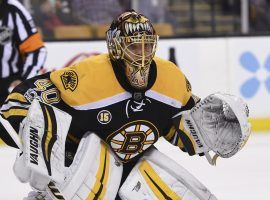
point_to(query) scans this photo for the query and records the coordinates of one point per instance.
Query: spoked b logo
(132, 139)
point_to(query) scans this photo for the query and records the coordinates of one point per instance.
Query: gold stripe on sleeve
(170, 134)
(15, 112)
(73, 138)
(17, 96)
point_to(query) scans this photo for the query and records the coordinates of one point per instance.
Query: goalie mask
(131, 38)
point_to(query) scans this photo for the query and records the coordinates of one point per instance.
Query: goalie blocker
(41, 157)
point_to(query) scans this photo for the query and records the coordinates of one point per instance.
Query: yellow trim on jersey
(17, 96)
(160, 189)
(91, 80)
(171, 81)
(170, 134)
(103, 171)
(73, 138)
(15, 112)
(2, 143)
(180, 144)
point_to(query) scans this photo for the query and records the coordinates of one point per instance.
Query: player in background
(121, 103)
(22, 52)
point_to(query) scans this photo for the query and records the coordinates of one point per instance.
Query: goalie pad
(218, 123)
(158, 177)
(41, 157)
(93, 174)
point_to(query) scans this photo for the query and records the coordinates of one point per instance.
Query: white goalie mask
(131, 38)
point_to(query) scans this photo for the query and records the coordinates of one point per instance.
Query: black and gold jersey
(96, 93)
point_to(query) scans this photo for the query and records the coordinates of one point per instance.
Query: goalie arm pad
(93, 174)
(41, 157)
(218, 123)
(158, 177)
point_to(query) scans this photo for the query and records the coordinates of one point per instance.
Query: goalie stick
(13, 134)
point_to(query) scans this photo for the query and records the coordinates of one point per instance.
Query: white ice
(245, 176)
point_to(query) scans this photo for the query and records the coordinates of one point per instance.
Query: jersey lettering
(44, 91)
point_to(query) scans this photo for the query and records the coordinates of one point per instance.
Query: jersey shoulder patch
(94, 74)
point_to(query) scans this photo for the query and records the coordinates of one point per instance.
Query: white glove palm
(41, 157)
(220, 123)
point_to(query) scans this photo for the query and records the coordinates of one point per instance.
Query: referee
(22, 51)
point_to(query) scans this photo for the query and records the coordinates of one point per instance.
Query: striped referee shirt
(22, 51)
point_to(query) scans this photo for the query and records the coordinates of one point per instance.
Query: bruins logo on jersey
(132, 139)
(70, 80)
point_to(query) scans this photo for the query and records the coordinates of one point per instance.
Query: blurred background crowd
(89, 19)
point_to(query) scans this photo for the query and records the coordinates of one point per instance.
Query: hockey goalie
(88, 131)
